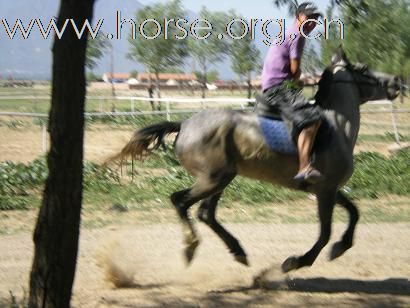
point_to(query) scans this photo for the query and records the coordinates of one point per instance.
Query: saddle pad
(276, 136)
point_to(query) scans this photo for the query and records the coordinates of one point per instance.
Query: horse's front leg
(326, 202)
(346, 242)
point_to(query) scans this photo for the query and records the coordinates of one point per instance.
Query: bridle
(363, 71)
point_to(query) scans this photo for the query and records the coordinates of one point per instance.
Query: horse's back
(250, 134)
(201, 144)
(200, 128)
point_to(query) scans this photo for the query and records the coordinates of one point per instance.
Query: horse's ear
(339, 56)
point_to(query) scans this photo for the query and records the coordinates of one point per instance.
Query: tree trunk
(401, 82)
(112, 73)
(204, 79)
(151, 92)
(57, 229)
(158, 90)
(249, 80)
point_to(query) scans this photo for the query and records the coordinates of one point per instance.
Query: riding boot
(305, 144)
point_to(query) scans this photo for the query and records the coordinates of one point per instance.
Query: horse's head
(371, 85)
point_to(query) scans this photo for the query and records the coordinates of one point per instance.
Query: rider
(282, 91)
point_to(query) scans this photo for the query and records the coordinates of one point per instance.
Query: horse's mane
(324, 87)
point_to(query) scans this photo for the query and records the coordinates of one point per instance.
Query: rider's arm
(295, 68)
(295, 54)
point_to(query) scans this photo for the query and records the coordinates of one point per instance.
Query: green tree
(159, 54)
(175, 70)
(377, 34)
(95, 50)
(134, 74)
(90, 77)
(311, 61)
(213, 49)
(211, 77)
(245, 56)
(291, 5)
(328, 46)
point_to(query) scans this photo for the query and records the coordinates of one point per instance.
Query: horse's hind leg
(326, 202)
(206, 214)
(182, 202)
(204, 187)
(340, 247)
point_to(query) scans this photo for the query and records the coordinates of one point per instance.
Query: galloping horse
(216, 145)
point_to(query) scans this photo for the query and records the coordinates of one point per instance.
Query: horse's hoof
(242, 259)
(290, 264)
(338, 250)
(190, 251)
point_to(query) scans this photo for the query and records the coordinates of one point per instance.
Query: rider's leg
(305, 144)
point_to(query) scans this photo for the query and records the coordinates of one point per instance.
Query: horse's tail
(146, 140)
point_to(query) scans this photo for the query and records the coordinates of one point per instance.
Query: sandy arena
(374, 273)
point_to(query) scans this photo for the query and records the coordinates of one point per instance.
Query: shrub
(375, 175)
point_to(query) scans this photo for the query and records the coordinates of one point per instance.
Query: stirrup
(311, 175)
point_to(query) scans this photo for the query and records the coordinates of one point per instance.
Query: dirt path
(25, 145)
(373, 274)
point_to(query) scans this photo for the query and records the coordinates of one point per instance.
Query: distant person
(282, 91)
(151, 91)
(151, 96)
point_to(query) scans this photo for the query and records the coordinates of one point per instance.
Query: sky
(33, 56)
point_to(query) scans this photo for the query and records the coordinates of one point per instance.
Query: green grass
(387, 137)
(379, 186)
(374, 176)
(94, 103)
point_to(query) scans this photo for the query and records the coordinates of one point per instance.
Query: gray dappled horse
(216, 145)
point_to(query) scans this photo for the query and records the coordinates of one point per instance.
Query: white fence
(234, 103)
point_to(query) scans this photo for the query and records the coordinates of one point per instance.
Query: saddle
(277, 135)
(273, 128)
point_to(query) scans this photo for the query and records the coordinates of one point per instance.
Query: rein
(353, 70)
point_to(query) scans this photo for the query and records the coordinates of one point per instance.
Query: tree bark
(158, 90)
(112, 74)
(249, 81)
(57, 229)
(204, 78)
(151, 92)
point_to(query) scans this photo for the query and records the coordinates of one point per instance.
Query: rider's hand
(299, 83)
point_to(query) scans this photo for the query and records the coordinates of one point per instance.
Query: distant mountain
(31, 58)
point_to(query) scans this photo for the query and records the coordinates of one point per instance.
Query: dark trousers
(284, 102)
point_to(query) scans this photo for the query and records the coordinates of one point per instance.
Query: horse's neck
(343, 111)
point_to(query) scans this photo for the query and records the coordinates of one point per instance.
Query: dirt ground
(25, 145)
(374, 273)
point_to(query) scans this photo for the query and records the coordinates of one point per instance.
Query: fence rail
(236, 103)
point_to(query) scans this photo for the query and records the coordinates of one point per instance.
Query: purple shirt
(277, 62)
